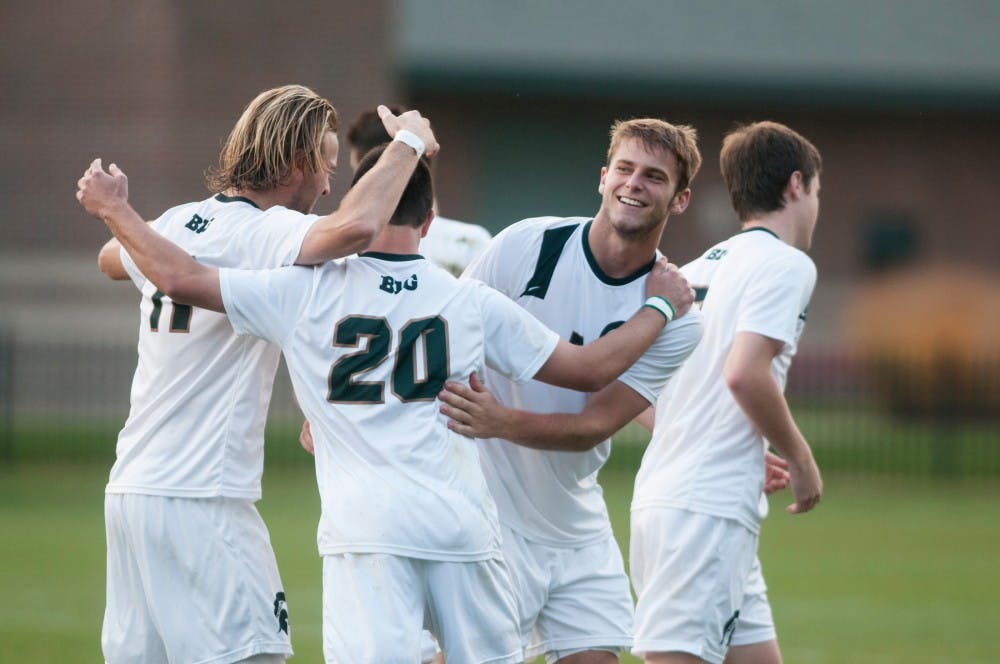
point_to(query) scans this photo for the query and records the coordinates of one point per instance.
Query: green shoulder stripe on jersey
(700, 293)
(553, 242)
(222, 198)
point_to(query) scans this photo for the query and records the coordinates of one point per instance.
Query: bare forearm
(364, 211)
(761, 399)
(611, 355)
(165, 264)
(561, 432)
(592, 367)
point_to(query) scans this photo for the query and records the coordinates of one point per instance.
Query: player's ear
(600, 186)
(680, 202)
(427, 224)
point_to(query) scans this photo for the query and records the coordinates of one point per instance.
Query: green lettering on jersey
(180, 315)
(430, 333)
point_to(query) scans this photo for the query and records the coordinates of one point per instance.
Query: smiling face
(638, 189)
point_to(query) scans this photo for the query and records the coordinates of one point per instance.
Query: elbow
(110, 265)
(589, 381)
(182, 288)
(104, 265)
(590, 436)
(172, 287)
(739, 382)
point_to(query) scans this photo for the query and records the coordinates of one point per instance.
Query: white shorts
(376, 605)
(569, 600)
(190, 580)
(756, 623)
(689, 571)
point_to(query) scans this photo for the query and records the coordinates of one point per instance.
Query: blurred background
(902, 98)
(896, 378)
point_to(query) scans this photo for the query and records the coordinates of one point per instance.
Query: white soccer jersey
(369, 342)
(453, 244)
(705, 455)
(200, 393)
(545, 266)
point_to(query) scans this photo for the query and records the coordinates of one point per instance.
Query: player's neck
(777, 223)
(263, 199)
(397, 240)
(621, 255)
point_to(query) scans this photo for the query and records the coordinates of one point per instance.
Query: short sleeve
(484, 266)
(277, 238)
(517, 344)
(138, 278)
(508, 259)
(672, 347)
(777, 297)
(266, 303)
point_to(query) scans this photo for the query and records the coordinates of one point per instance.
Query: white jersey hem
(566, 542)
(753, 525)
(175, 492)
(405, 552)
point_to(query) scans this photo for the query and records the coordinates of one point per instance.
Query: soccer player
(191, 575)
(449, 243)
(698, 501)
(581, 277)
(408, 529)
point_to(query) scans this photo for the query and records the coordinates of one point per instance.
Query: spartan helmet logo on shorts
(281, 612)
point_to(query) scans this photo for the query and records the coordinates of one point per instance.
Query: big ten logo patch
(198, 224)
(395, 286)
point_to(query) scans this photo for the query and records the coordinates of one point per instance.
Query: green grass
(898, 570)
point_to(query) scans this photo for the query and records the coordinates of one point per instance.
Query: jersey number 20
(429, 334)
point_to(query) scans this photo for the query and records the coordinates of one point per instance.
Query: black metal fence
(933, 416)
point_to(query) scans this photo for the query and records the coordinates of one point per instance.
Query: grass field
(892, 571)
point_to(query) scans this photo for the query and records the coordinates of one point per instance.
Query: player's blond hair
(280, 128)
(681, 140)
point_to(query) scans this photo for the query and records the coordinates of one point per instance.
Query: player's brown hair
(681, 140)
(757, 160)
(367, 130)
(418, 197)
(280, 128)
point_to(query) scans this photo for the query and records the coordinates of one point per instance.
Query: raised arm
(180, 277)
(748, 375)
(589, 368)
(369, 204)
(476, 413)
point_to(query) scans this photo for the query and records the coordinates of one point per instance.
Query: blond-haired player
(191, 576)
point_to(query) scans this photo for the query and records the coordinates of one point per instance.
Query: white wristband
(662, 305)
(411, 139)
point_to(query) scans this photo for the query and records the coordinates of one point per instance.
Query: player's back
(200, 393)
(705, 454)
(369, 344)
